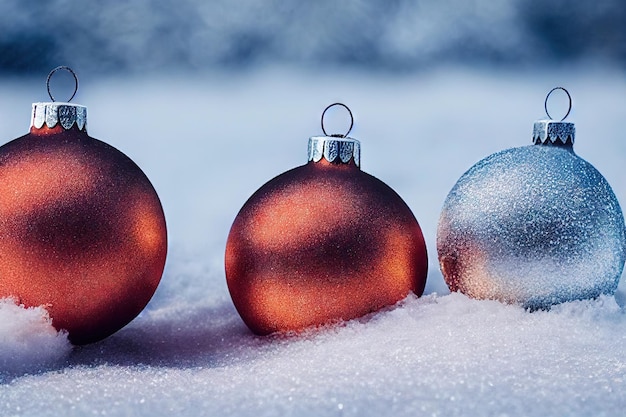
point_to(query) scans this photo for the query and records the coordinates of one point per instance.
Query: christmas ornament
(535, 225)
(322, 242)
(82, 230)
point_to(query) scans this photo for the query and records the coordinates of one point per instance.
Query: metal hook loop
(351, 120)
(545, 104)
(62, 67)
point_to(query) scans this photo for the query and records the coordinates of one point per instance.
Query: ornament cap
(338, 150)
(54, 113)
(550, 132)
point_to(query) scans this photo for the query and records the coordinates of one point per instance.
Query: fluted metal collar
(339, 150)
(53, 113)
(550, 132)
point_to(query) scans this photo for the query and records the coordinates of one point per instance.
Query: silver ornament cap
(336, 148)
(551, 132)
(55, 113)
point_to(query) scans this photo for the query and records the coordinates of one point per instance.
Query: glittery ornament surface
(82, 231)
(535, 225)
(320, 243)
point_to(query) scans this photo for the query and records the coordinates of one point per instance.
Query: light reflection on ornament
(322, 242)
(535, 225)
(82, 230)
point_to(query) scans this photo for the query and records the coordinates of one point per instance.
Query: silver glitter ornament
(535, 225)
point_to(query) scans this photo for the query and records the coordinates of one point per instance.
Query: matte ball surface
(321, 243)
(535, 225)
(82, 231)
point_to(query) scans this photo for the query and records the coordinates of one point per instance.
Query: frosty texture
(28, 342)
(534, 225)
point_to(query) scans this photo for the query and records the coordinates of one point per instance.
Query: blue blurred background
(123, 36)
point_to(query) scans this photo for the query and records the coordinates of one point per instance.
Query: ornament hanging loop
(569, 109)
(351, 120)
(66, 68)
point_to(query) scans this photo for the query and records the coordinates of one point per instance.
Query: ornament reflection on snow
(535, 225)
(322, 242)
(82, 231)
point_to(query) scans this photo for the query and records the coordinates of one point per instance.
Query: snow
(29, 342)
(207, 142)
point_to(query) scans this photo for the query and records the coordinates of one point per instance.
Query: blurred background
(125, 36)
(212, 98)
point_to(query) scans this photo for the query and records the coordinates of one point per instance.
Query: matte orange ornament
(322, 242)
(82, 230)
